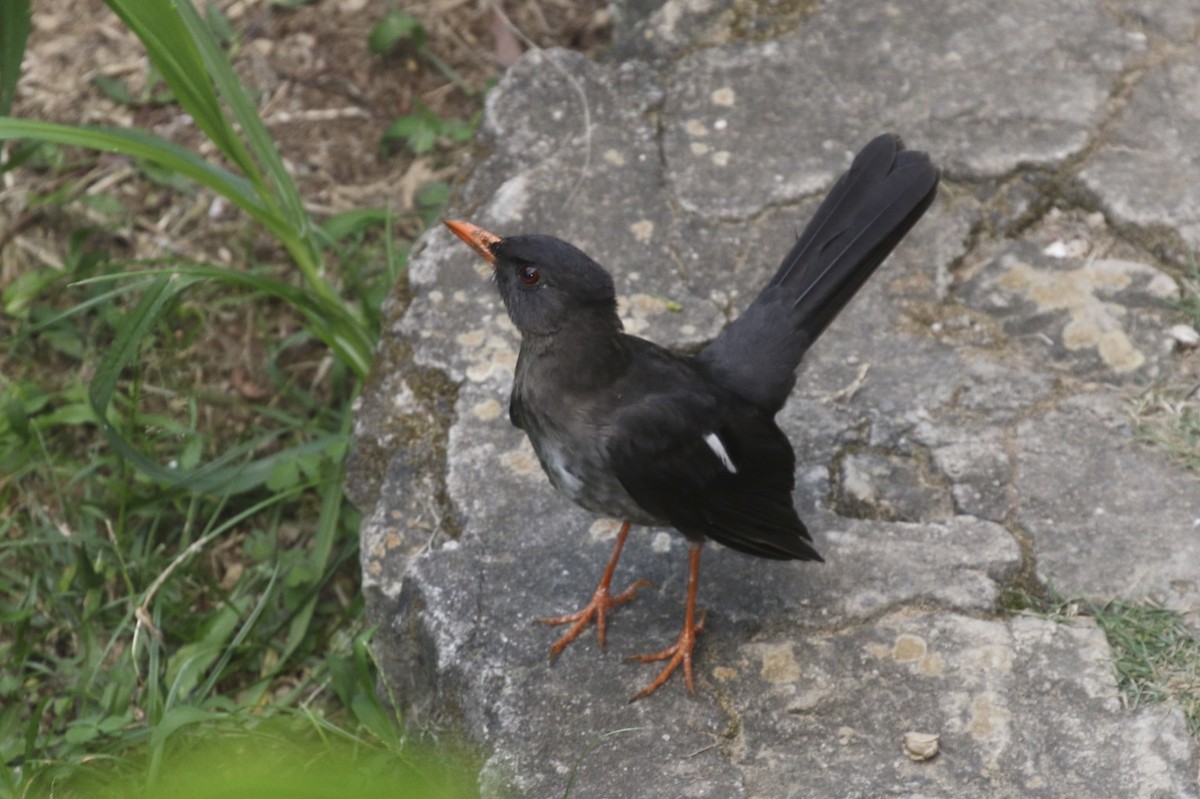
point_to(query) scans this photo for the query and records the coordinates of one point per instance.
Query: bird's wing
(712, 466)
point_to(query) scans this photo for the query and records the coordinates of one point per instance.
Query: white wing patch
(714, 443)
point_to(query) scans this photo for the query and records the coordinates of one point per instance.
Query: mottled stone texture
(963, 428)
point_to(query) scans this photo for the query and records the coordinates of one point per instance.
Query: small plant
(399, 31)
(397, 28)
(421, 129)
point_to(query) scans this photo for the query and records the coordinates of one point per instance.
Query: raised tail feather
(862, 219)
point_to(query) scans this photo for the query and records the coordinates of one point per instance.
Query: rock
(1184, 336)
(1148, 173)
(960, 430)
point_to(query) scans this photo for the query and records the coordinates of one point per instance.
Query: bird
(631, 430)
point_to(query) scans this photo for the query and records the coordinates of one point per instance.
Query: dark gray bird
(631, 430)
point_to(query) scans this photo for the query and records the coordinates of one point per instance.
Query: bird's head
(545, 282)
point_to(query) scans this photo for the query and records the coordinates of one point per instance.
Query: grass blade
(138, 144)
(216, 477)
(173, 52)
(217, 66)
(14, 31)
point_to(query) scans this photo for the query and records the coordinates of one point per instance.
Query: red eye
(529, 275)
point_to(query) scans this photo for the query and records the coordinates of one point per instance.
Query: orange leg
(602, 602)
(681, 650)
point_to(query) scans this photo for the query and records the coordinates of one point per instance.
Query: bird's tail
(864, 216)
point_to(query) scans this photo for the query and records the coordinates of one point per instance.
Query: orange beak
(479, 239)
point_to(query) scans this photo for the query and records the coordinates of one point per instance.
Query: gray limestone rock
(1111, 517)
(829, 714)
(959, 431)
(954, 76)
(1099, 318)
(1148, 171)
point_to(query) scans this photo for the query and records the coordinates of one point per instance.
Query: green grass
(1171, 423)
(178, 565)
(1168, 414)
(1189, 300)
(1155, 657)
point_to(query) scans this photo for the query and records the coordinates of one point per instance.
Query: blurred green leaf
(81, 732)
(191, 660)
(14, 31)
(343, 225)
(114, 89)
(285, 474)
(460, 130)
(70, 414)
(218, 23)
(419, 130)
(396, 27)
(28, 285)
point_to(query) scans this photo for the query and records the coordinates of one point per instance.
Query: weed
(399, 30)
(1171, 422)
(1155, 657)
(1189, 300)
(421, 129)
(1154, 654)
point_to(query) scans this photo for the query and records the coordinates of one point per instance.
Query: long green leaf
(173, 52)
(123, 351)
(233, 471)
(332, 321)
(129, 338)
(138, 144)
(246, 115)
(14, 31)
(216, 670)
(181, 45)
(102, 299)
(329, 318)
(184, 51)
(349, 336)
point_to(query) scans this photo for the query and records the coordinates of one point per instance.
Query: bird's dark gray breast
(569, 434)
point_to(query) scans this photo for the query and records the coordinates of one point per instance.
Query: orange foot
(679, 652)
(602, 602)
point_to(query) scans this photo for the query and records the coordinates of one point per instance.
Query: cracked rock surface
(962, 429)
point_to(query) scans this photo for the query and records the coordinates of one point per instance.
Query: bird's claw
(677, 653)
(602, 601)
